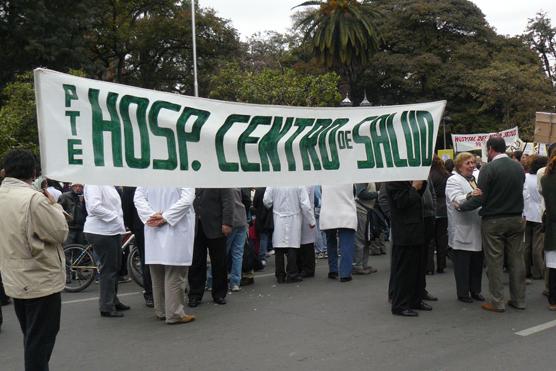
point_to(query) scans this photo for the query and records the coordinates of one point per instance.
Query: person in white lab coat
(169, 220)
(290, 205)
(306, 253)
(464, 230)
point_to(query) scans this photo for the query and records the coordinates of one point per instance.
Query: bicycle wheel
(134, 265)
(80, 267)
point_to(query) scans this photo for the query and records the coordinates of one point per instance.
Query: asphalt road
(318, 324)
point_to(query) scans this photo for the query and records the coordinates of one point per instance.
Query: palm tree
(343, 33)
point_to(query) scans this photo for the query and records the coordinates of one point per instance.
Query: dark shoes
(294, 279)
(219, 301)
(465, 299)
(478, 297)
(194, 302)
(429, 297)
(333, 275)
(122, 307)
(405, 313)
(422, 306)
(149, 302)
(113, 314)
(345, 279)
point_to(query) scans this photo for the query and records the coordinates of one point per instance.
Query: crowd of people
(499, 216)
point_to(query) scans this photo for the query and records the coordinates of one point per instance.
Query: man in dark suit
(408, 237)
(215, 218)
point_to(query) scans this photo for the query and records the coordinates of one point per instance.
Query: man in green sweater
(501, 183)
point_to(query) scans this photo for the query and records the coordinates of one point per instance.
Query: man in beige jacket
(32, 231)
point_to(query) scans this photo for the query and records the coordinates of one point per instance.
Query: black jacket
(406, 208)
(72, 205)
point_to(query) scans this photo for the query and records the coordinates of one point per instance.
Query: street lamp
(445, 120)
(195, 83)
(346, 102)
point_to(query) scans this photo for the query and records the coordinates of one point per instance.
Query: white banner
(471, 142)
(95, 132)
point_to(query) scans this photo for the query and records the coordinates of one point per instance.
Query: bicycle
(81, 268)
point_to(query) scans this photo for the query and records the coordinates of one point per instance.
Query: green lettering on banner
(369, 162)
(172, 162)
(73, 115)
(70, 93)
(245, 139)
(144, 159)
(191, 136)
(309, 142)
(426, 127)
(219, 142)
(100, 126)
(301, 124)
(268, 145)
(331, 162)
(399, 162)
(73, 151)
(381, 140)
(412, 140)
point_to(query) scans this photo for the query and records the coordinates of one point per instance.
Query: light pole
(195, 83)
(445, 120)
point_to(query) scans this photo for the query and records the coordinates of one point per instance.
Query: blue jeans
(347, 248)
(320, 239)
(234, 248)
(265, 241)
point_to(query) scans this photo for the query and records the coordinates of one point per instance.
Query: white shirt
(54, 193)
(171, 243)
(338, 208)
(533, 201)
(104, 210)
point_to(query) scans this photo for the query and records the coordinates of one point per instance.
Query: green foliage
(541, 37)
(18, 117)
(342, 32)
(275, 86)
(445, 50)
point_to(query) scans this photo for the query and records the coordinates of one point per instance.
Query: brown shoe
(492, 308)
(552, 307)
(185, 319)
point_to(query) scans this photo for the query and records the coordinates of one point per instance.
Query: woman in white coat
(464, 230)
(169, 220)
(290, 205)
(338, 218)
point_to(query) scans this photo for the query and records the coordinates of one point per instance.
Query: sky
(509, 17)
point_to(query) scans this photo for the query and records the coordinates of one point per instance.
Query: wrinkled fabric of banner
(95, 132)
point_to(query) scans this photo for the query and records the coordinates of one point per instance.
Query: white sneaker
(236, 288)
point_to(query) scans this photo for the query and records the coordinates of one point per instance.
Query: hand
(456, 205)
(226, 230)
(156, 220)
(477, 192)
(417, 184)
(48, 195)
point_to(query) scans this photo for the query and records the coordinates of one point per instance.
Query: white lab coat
(290, 206)
(308, 234)
(171, 243)
(464, 228)
(533, 209)
(338, 208)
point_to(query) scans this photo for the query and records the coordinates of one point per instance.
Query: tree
(541, 37)
(275, 86)
(18, 117)
(343, 33)
(446, 50)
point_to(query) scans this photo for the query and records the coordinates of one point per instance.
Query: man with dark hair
(501, 183)
(32, 261)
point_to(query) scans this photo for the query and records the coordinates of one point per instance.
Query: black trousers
(108, 253)
(405, 286)
(39, 319)
(197, 275)
(306, 259)
(552, 286)
(140, 242)
(279, 258)
(440, 244)
(468, 271)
